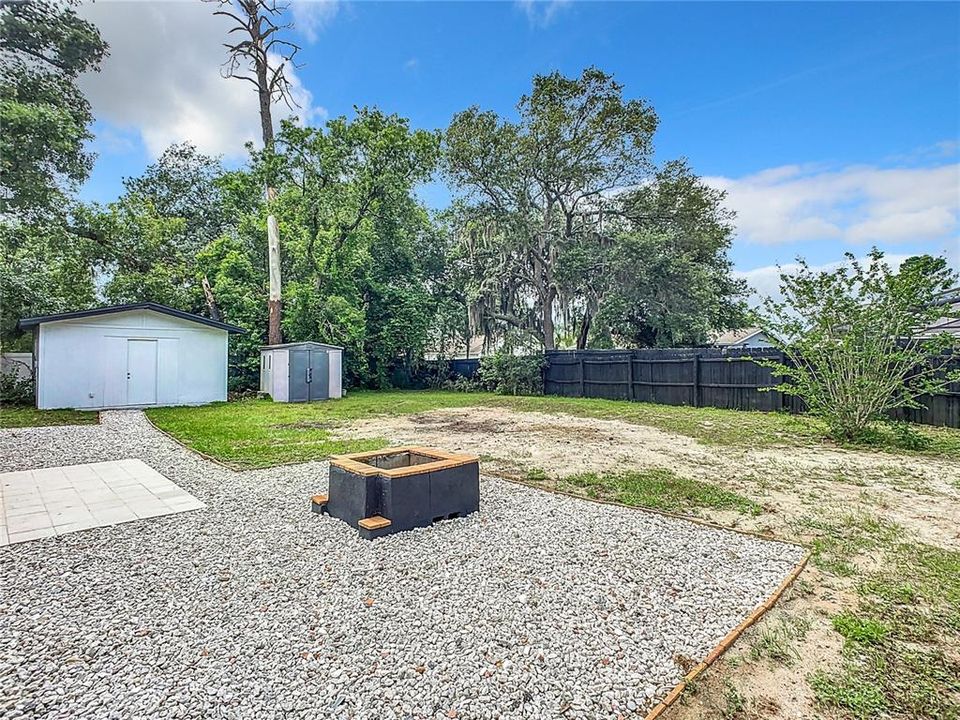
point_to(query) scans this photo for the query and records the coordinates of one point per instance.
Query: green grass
(778, 641)
(862, 630)
(894, 659)
(258, 433)
(656, 488)
(18, 417)
(835, 541)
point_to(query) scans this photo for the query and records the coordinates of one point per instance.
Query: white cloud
(312, 16)
(163, 79)
(541, 12)
(854, 205)
(765, 281)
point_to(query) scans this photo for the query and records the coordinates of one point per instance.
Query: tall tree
(44, 48)
(539, 184)
(657, 273)
(261, 57)
(45, 121)
(572, 234)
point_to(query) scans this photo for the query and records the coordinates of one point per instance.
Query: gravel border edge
(727, 641)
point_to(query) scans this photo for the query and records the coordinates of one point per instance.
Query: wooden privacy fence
(701, 377)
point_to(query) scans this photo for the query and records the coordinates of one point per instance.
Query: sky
(832, 127)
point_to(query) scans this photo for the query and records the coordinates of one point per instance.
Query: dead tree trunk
(249, 59)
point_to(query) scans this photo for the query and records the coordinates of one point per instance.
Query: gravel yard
(255, 608)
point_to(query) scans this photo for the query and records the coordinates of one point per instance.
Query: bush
(512, 374)
(461, 384)
(853, 341)
(15, 391)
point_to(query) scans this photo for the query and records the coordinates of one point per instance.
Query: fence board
(707, 377)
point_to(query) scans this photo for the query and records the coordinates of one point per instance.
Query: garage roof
(155, 307)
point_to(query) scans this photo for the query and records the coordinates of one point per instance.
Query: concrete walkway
(53, 501)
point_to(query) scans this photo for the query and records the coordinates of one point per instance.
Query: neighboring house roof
(951, 300)
(478, 348)
(737, 337)
(950, 297)
(943, 325)
(155, 307)
(310, 343)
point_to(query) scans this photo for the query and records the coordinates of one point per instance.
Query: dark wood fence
(701, 377)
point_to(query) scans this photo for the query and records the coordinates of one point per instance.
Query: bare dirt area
(767, 673)
(920, 493)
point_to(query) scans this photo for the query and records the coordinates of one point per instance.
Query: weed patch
(660, 489)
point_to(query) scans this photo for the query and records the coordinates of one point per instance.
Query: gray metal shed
(301, 372)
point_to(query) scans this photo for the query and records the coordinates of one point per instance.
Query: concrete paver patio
(53, 501)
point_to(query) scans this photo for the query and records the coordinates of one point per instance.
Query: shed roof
(155, 307)
(305, 343)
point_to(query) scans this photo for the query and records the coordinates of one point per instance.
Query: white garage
(129, 356)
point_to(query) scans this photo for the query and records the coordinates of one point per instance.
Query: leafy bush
(15, 391)
(461, 384)
(512, 374)
(852, 338)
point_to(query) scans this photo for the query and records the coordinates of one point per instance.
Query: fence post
(581, 378)
(696, 380)
(630, 376)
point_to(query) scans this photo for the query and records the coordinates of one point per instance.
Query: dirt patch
(793, 485)
(917, 492)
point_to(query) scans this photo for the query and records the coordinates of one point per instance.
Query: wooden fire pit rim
(354, 462)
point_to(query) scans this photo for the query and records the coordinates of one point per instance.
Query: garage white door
(141, 372)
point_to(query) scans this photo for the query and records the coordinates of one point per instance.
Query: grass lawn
(260, 433)
(657, 488)
(17, 417)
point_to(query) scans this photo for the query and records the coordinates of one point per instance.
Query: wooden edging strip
(730, 638)
(178, 441)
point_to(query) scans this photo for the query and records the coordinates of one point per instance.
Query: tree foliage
(564, 218)
(567, 218)
(44, 48)
(854, 338)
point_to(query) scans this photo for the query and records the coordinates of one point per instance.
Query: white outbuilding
(128, 356)
(301, 372)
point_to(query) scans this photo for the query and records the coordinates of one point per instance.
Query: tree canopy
(565, 217)
(564, 230)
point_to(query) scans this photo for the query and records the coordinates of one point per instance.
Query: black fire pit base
(388, 491)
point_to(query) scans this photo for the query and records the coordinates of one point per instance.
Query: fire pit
(387, 491)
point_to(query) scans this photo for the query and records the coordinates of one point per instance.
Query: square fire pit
(387, 491)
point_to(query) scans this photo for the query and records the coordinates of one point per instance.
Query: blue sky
(833, 127)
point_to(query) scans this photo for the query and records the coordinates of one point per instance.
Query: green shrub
(15, 391)
(512, 374)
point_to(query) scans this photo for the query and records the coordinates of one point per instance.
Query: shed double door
(309, 375)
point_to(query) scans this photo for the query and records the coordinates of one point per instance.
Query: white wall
(336, 373)
(82, 362)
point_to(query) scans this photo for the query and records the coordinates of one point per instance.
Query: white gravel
(538, 606)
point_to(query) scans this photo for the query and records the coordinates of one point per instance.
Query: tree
(252, 59)
(660, 274)
(539, 184)
(569, 231)
(45, 119)
(44, 48)
(853, 338)
(359, 247)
